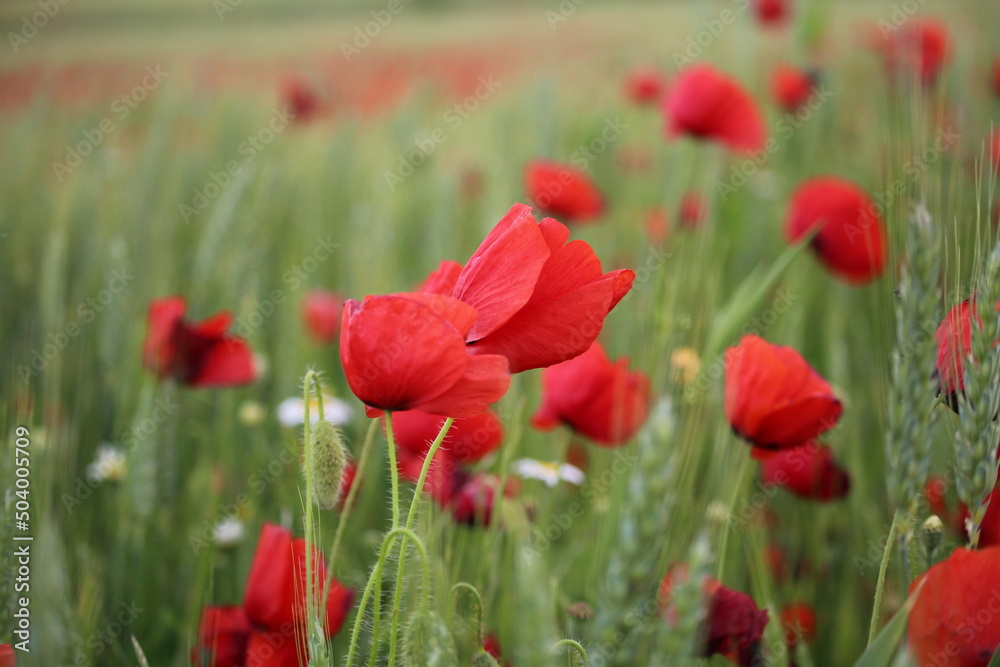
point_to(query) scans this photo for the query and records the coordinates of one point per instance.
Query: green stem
(724, 540)
(376, 576)
(410, 518)
(393, 470)
(462, 586)
(877, 606)
(573, 644)
(316, 638)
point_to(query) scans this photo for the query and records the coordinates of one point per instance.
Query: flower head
(197, 355)
(809, 471)
(563, 191)
(550, 472)
(108, 466)
(321, 311)
(774, 399)
(601, 400)
(706, 104)
(954, 621)
(851, 239)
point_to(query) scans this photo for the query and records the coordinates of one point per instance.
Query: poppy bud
(931, 532)
(327, 461)
(484, 659)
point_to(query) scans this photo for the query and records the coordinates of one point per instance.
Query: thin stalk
(877, 606)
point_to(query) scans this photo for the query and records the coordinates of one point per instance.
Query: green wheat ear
(328, 458)
(427, 642)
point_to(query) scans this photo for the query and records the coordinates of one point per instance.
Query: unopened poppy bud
(427, 642)
(932, 531)
(327, 460)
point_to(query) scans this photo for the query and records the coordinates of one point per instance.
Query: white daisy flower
(251, 413)
(228, 532)
(550, 472)
(291, 411)
(109, 465)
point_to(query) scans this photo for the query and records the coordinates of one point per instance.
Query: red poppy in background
(468, 440)
(197, 355)
(492, 646)
(693, 210)
(774, 399)
(706, 104)
(473, 498)
(7, 656)
(321, 312)
(955, 621)
(657, 225)
(275, 595)
(563, 191)
(791, 87)
(645, 86)
(772, 12)
(809, 471)
(799, 621)
(301, 100)
(734, 623)
(407, 351)
(223, 635)
(269, 629)
(540, 300)
(347, 480)
(596, 398)
(920, 48)
(851, 241)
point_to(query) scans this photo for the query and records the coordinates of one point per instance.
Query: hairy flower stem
(576, 646)
(374, 584)
(410, 518)
(316, 636)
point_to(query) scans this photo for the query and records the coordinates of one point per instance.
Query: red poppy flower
(851, 241)
(223, 634)
(407, 351)
(791, 87)
(645, 86)
(799, 621)
(563, 191)
(735, 625)
(694, 210)
(7, 656)
(468, 440)
(596, 398)
(473, 498)
(989, 529)
(920, 47)
(954, 339)
(774, 399)
(955, 621)
(275, 595)
(809, 471)
(301, 100)
(772, 12)
(321, 312)
(706, 104)
(539, 299)
(197, 355)
(492, 646)
(657, 225)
